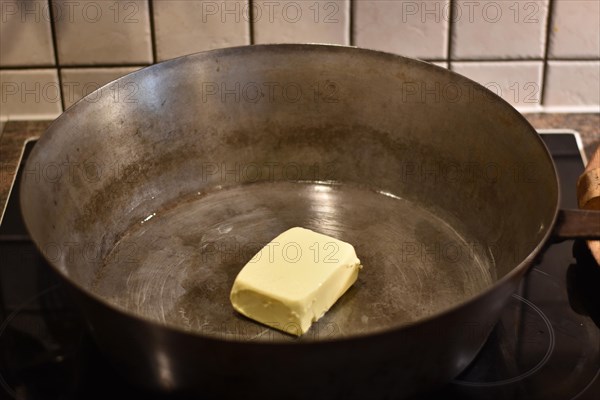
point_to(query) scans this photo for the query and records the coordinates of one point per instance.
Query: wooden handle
(577, 224)
(588, 195)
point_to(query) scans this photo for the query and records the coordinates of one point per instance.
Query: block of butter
(295, 279)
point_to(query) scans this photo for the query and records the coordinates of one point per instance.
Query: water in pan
(178, 265)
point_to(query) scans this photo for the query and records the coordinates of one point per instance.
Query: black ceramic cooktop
(546, 346)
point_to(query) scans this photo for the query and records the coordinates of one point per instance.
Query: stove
(546, 345)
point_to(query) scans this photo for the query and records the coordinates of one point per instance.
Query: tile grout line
(56, 61)
(126, 65)
(549, 21)
(450, 33)
(251, 21)
(524, 59)
(351, 15)
(152, 30)
(496, 60)
(79, 66)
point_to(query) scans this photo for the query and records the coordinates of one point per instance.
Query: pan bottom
(178, 265)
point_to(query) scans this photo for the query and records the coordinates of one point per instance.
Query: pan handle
(577, 224)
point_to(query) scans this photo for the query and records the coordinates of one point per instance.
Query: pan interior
(177, 266)
(479, 191)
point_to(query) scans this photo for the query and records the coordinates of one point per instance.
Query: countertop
(16, 133)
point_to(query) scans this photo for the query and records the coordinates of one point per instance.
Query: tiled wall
(538, 54)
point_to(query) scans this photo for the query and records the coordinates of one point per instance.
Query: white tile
(31, 93)
(185, 27)
(518, 82)
(575, 29)
(411, 28)
(573, 83)
(79, 82)
(25, 35)
(103, 32)
(315, 21)
(499, 29)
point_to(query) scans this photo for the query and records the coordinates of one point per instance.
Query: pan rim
(513, 274)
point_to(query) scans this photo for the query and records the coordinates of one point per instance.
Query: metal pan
(172, 177)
